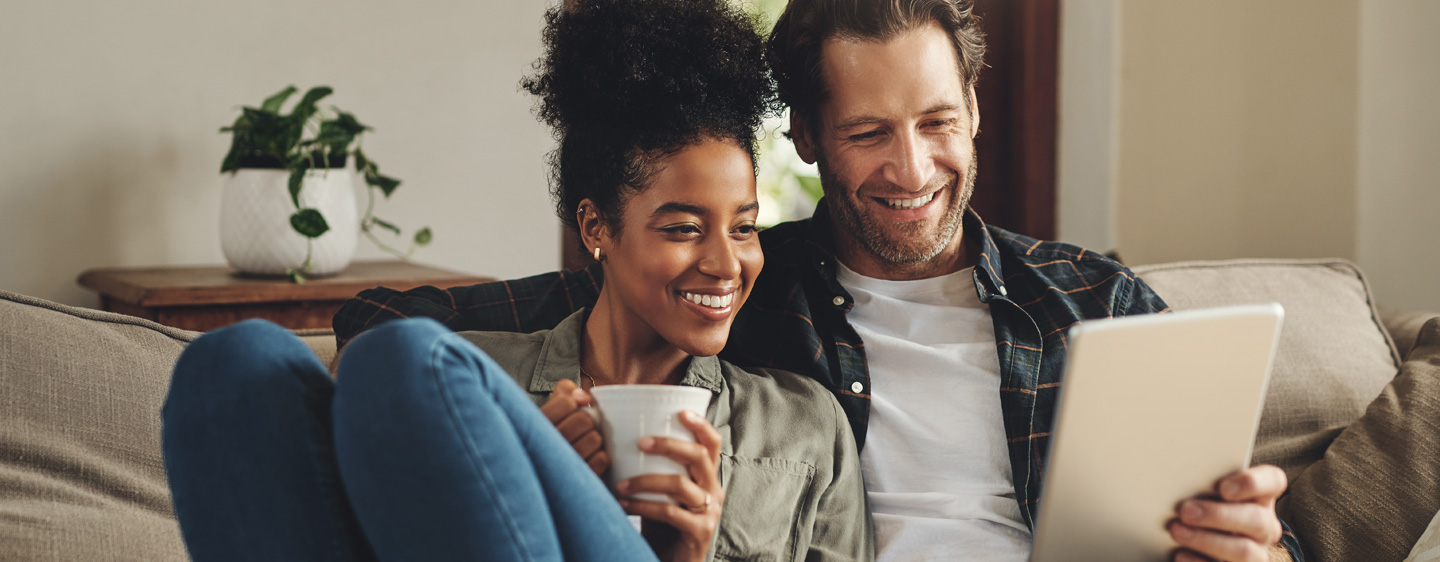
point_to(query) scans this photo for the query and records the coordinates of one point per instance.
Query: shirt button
(856, 387)
(840, 301)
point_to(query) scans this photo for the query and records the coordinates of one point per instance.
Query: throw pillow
(1378, 485)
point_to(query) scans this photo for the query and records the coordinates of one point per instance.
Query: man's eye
(864, 136)
(941, 123)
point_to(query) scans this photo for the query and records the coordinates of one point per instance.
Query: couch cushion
(81, 477)
(1334, 357)
(1378, 485)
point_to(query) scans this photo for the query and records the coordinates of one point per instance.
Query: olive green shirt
(788, 463)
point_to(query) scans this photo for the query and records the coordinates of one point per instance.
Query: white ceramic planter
(255, 230)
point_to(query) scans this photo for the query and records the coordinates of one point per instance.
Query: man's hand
(565, 409)
(1239, 526)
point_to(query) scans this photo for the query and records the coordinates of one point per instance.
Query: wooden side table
(208, 297)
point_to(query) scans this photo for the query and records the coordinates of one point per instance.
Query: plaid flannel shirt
(795, 319)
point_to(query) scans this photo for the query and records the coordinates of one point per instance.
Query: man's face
(895, 147)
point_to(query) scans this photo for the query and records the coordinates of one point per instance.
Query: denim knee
(405, 341)
(249, 359)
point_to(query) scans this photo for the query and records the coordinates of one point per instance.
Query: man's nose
(910, 165)
(719, 259)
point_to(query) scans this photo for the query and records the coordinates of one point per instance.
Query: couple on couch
(896, 362)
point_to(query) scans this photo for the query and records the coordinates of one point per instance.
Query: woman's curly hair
(625, 83)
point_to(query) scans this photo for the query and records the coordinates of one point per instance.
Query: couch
(1350, 419)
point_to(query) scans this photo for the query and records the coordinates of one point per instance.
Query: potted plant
(288, 205)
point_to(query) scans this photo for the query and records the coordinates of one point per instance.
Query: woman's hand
(565, 409)
(697, 493)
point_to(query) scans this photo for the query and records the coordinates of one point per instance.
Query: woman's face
(687, 255)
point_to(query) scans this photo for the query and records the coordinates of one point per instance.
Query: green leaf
(334, 135)
(306, 107)
(309, 223)
(386, 184)
(360, 162)
(231, 161)
(295, 275)
(811, 186)
(297, 179)
(272, 104)
(423, 236)
(385, 225)
(348, 123)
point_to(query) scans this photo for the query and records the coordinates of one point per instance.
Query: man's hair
(794, 46)
(625, 83)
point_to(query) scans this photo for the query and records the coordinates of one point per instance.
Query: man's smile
(914, 203)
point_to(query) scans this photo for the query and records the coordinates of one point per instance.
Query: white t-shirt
(935, 462)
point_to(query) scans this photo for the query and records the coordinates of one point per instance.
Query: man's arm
(519, 305)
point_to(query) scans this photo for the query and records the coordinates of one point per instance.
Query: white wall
(1398, 193)
(1237, 129)
(109, 114)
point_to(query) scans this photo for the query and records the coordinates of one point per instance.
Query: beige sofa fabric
(81, 476)
(1404, 326)
(1379, 483)
(1334, 357)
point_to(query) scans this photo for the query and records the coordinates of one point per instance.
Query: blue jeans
(425, 450)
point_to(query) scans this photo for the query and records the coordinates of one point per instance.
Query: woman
(427, 450)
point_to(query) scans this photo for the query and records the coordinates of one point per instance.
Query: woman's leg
(249, 454)
(445, 458)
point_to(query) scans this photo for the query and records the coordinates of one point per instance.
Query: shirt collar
(989, 276)
(560, 359)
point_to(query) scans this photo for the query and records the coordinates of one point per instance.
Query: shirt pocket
(767, 500)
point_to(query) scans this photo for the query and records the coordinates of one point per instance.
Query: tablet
(1153, 409)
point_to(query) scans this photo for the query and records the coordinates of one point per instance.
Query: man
(905, 305)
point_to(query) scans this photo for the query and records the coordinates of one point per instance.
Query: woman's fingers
(565, 409)
(576, 425)
(565, 399)
(678, 487)
(696, 458)
(705, 434)
(598, 462)
(697, 526)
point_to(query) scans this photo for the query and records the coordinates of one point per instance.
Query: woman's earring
(597, 253)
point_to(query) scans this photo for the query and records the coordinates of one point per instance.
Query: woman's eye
(682, 229)
(746, 230)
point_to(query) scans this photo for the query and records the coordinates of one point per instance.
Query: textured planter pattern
(255, 230)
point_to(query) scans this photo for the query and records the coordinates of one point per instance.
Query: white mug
(627, 412)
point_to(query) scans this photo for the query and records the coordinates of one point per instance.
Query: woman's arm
(843, 529)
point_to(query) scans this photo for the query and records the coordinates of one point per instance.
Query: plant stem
(369, 220)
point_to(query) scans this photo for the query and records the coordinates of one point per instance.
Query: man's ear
(800, 133)
(974, 113)
(593, 232)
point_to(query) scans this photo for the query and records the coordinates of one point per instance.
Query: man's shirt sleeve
(518, 305)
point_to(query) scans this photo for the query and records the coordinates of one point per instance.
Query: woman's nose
(719, 259)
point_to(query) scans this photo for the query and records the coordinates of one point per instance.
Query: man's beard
(910, 244)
